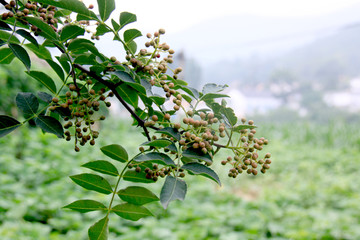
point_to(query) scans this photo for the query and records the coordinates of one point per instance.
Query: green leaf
(102, 167)
(124, 76)
(158, 100)
(241, 127)
(44, 79)
(70, 32)
(105, 8)
(93, 50)
(138, 87)
(40, 51)
(50, 125)
(21, 54)
(200, 169)
(45, 97)
(84, 206)
(169, 131)
(7, 125)
(160, 158)
(212, 96)
(6, 56)
(197, 154)
(86, 59)
(46, 30)
(99, 231)
(129, 94)
(173, 188)
(102, 29)
(27, 36)
(131, 212)
(132, 46)
(64, 62)
(115, 25)
(137, 195)
(6, 36)
(62, 13)
(58, 70)
(213, 88)
(131, 34)
(5, 26)
(187, 98)
(191, 91)
(77, 44)
(27, 103)
(92, 182)
(72, 5)
(161, 143)
(126, 18)
(133, 176)
(115, 152)
(229, 114)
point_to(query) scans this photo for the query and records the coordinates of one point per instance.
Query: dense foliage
(178, 142)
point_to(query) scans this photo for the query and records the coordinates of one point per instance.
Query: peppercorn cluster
(79, 105)
(246, 154)
(19, 11)
(154, 172)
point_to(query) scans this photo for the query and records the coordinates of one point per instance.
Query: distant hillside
(241, 36)
(325, 59)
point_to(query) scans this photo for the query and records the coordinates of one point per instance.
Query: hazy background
(283, 58)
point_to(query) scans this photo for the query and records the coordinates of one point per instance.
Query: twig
(3, 2)
(112, 87)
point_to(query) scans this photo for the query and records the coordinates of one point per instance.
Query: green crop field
(312, 190)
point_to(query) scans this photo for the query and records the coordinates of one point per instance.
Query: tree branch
(112, 87)
(3, 2)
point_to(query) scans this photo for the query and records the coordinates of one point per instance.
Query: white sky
(175, 16)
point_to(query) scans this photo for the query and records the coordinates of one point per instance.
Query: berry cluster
(79, 107)
(147, 61)
(246, 152)
(45, 12)
(155, 172)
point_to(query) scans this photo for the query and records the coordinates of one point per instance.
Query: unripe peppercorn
(251, 122)
(167, 116)
(154, 118)
(266, 166)
(72, 87)
(162, 31)
(267, 155)
(55, 100)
